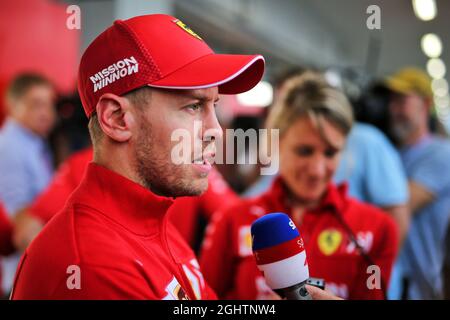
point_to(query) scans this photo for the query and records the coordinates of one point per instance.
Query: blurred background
(329, 35)
(355, 45)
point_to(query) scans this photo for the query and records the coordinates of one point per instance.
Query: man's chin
(401, 133)
(199, 186)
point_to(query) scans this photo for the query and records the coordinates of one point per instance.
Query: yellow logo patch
(187, 29)
(329, 241)
(245, 241)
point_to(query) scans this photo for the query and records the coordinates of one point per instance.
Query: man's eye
(194, 107)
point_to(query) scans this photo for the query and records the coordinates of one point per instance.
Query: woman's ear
(115, 117)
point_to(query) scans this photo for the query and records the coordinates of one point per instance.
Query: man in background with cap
(426, 158)
(139, 81)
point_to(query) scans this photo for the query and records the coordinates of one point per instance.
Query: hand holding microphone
(280, 255)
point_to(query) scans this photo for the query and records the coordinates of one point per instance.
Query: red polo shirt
(229, 267)
(66, 179)
(112, 240)
(6, 230)
(184, 213)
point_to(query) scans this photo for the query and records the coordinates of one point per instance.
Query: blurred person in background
(426, 158)
(314, 120)
(374, 172)
(25, 161)
(369, 164)
(25, 158)
(263, 182)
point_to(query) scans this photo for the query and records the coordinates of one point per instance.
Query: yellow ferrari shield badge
(329, 241)
(187, 29)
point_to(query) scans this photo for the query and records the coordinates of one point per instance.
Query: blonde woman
(351, 245)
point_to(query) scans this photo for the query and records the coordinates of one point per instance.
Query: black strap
(360, 249)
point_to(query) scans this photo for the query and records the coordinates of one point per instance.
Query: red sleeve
(216, 257)
(217, 196)
(6, 230)
(383, 255)
(210, 294)
(65, 181)
(110, 284)
(96, 283)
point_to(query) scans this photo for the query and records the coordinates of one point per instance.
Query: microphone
(280, 255)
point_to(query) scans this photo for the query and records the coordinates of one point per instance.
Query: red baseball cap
(159, 51)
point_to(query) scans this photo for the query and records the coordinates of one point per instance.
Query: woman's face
(307, 160)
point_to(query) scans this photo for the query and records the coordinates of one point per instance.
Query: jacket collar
(335, 198)
(122, 200)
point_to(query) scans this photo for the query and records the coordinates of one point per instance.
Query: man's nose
(211, 130)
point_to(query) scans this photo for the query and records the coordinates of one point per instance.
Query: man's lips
(204, 164)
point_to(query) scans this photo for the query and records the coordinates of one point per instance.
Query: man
(426, 161)
(373, 170)
(25, 165)
(25, 161)
(139, 81)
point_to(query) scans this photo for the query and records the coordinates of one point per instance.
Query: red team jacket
(6, 230)
(66, 179)
(229, 267)
(112, 240)
(184, 213)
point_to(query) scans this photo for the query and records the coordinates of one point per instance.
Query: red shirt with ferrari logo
(112, 240)
(230, 268)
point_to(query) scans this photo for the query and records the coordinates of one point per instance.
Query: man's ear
(115, 117)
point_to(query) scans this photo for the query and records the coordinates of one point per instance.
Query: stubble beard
(156, 171)
(402, 131)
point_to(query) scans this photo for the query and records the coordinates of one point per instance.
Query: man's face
(406, 112)
(191, 112)
(36, 109)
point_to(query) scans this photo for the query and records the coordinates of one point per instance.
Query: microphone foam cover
(279, 251)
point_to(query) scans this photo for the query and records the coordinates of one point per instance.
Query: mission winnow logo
(115, 71)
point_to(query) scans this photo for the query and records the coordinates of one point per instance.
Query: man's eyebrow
(202, 98)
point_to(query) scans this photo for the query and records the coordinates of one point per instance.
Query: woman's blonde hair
(310, 95)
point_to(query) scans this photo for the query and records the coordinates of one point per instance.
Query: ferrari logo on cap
(329, 241)
(187, 29)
